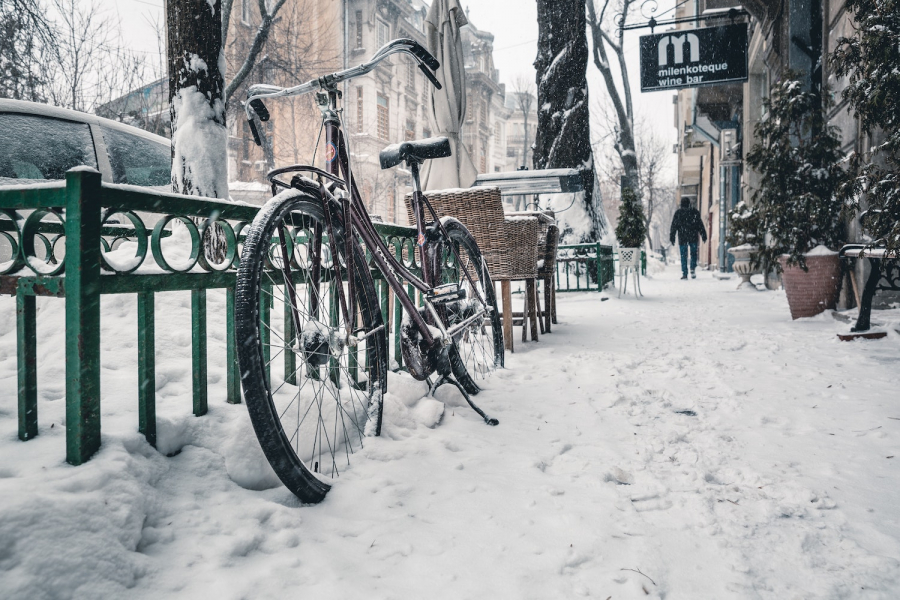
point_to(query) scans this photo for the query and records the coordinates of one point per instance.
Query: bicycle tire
(328, 381)
(478, 350)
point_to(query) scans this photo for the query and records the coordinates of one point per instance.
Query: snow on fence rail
(82, 238)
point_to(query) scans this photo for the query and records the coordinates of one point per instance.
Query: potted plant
(742, 238)
(795, 208)
(631, 229)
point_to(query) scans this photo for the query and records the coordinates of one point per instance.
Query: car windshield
(137, 160)
(34, 147)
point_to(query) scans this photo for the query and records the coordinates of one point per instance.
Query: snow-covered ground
(695, 443)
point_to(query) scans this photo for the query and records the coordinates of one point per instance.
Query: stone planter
(810, 293)
(743, 266)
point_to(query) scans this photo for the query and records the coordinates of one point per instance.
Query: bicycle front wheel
(478, 348)
(313, 391)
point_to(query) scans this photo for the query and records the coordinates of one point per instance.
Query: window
(426, 133)
(384, 33)
(246, 14)
(483, 162)
(359, 109)
(410, 73)
(359, 24)
(384, 123)
(137, 160)
(410, 133)
(483, 112)
(470, 110)
(33, 147)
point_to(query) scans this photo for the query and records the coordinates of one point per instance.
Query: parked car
(40, 142)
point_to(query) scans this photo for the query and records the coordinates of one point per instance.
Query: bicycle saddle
(416, 151)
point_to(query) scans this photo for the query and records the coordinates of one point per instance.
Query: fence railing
(61, 240)
(584, 267)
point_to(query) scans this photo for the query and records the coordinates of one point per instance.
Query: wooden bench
(884, 275)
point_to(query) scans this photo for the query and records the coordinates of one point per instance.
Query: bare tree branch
(524, 91)
(262, 34)
(624, 110)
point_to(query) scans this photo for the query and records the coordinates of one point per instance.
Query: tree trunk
(196, 97)
(563, 131)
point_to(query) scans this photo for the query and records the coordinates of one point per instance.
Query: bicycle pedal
(448, 292)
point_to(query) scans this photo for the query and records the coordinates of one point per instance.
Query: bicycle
(304, 251)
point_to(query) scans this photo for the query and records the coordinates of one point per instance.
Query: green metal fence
(85, 219)
(584, 267)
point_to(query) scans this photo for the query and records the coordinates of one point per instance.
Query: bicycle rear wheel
(478, 348)
(312, 392)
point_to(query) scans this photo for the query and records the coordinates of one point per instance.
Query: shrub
(871, 60)
(630, 230)
(798, 158)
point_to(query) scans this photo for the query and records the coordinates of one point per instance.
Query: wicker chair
(548, 240)
(509, 244)
(547, 246)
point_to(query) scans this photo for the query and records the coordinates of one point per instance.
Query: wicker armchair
(548, 242)
(509, 244)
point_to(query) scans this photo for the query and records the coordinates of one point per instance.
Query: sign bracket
(732, 13)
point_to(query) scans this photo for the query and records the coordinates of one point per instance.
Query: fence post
(290, 358)
(198, 350)
(147, 366)
(26, 331)
(232, 371)
(82, 314)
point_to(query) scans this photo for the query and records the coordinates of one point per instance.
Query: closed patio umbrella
(448, 105)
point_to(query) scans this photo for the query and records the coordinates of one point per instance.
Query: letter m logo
(678, 42)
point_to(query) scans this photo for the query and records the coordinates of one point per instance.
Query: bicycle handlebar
(254, 105)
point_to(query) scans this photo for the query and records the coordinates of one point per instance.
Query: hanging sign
(687, 58)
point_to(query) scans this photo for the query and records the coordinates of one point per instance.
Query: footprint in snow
(619, 476)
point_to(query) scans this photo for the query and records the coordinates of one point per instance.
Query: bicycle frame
(352, 209)
(354, 213)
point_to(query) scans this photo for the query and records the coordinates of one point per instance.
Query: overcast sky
(514, 26)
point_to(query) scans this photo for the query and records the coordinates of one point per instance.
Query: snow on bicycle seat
(416, 151)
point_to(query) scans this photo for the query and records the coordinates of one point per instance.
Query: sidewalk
(695, 443)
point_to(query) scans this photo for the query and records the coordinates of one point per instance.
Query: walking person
(688, 225)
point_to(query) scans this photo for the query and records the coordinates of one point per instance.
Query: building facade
(388, 105)
(716, 124)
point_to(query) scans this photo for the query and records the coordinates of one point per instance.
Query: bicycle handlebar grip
(417, 49)
(430, 76)
(260, 109)
(255, 133)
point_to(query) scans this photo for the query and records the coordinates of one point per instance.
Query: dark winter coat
(688, 224)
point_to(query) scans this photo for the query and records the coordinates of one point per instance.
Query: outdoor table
(541, 181)
(884, 274)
